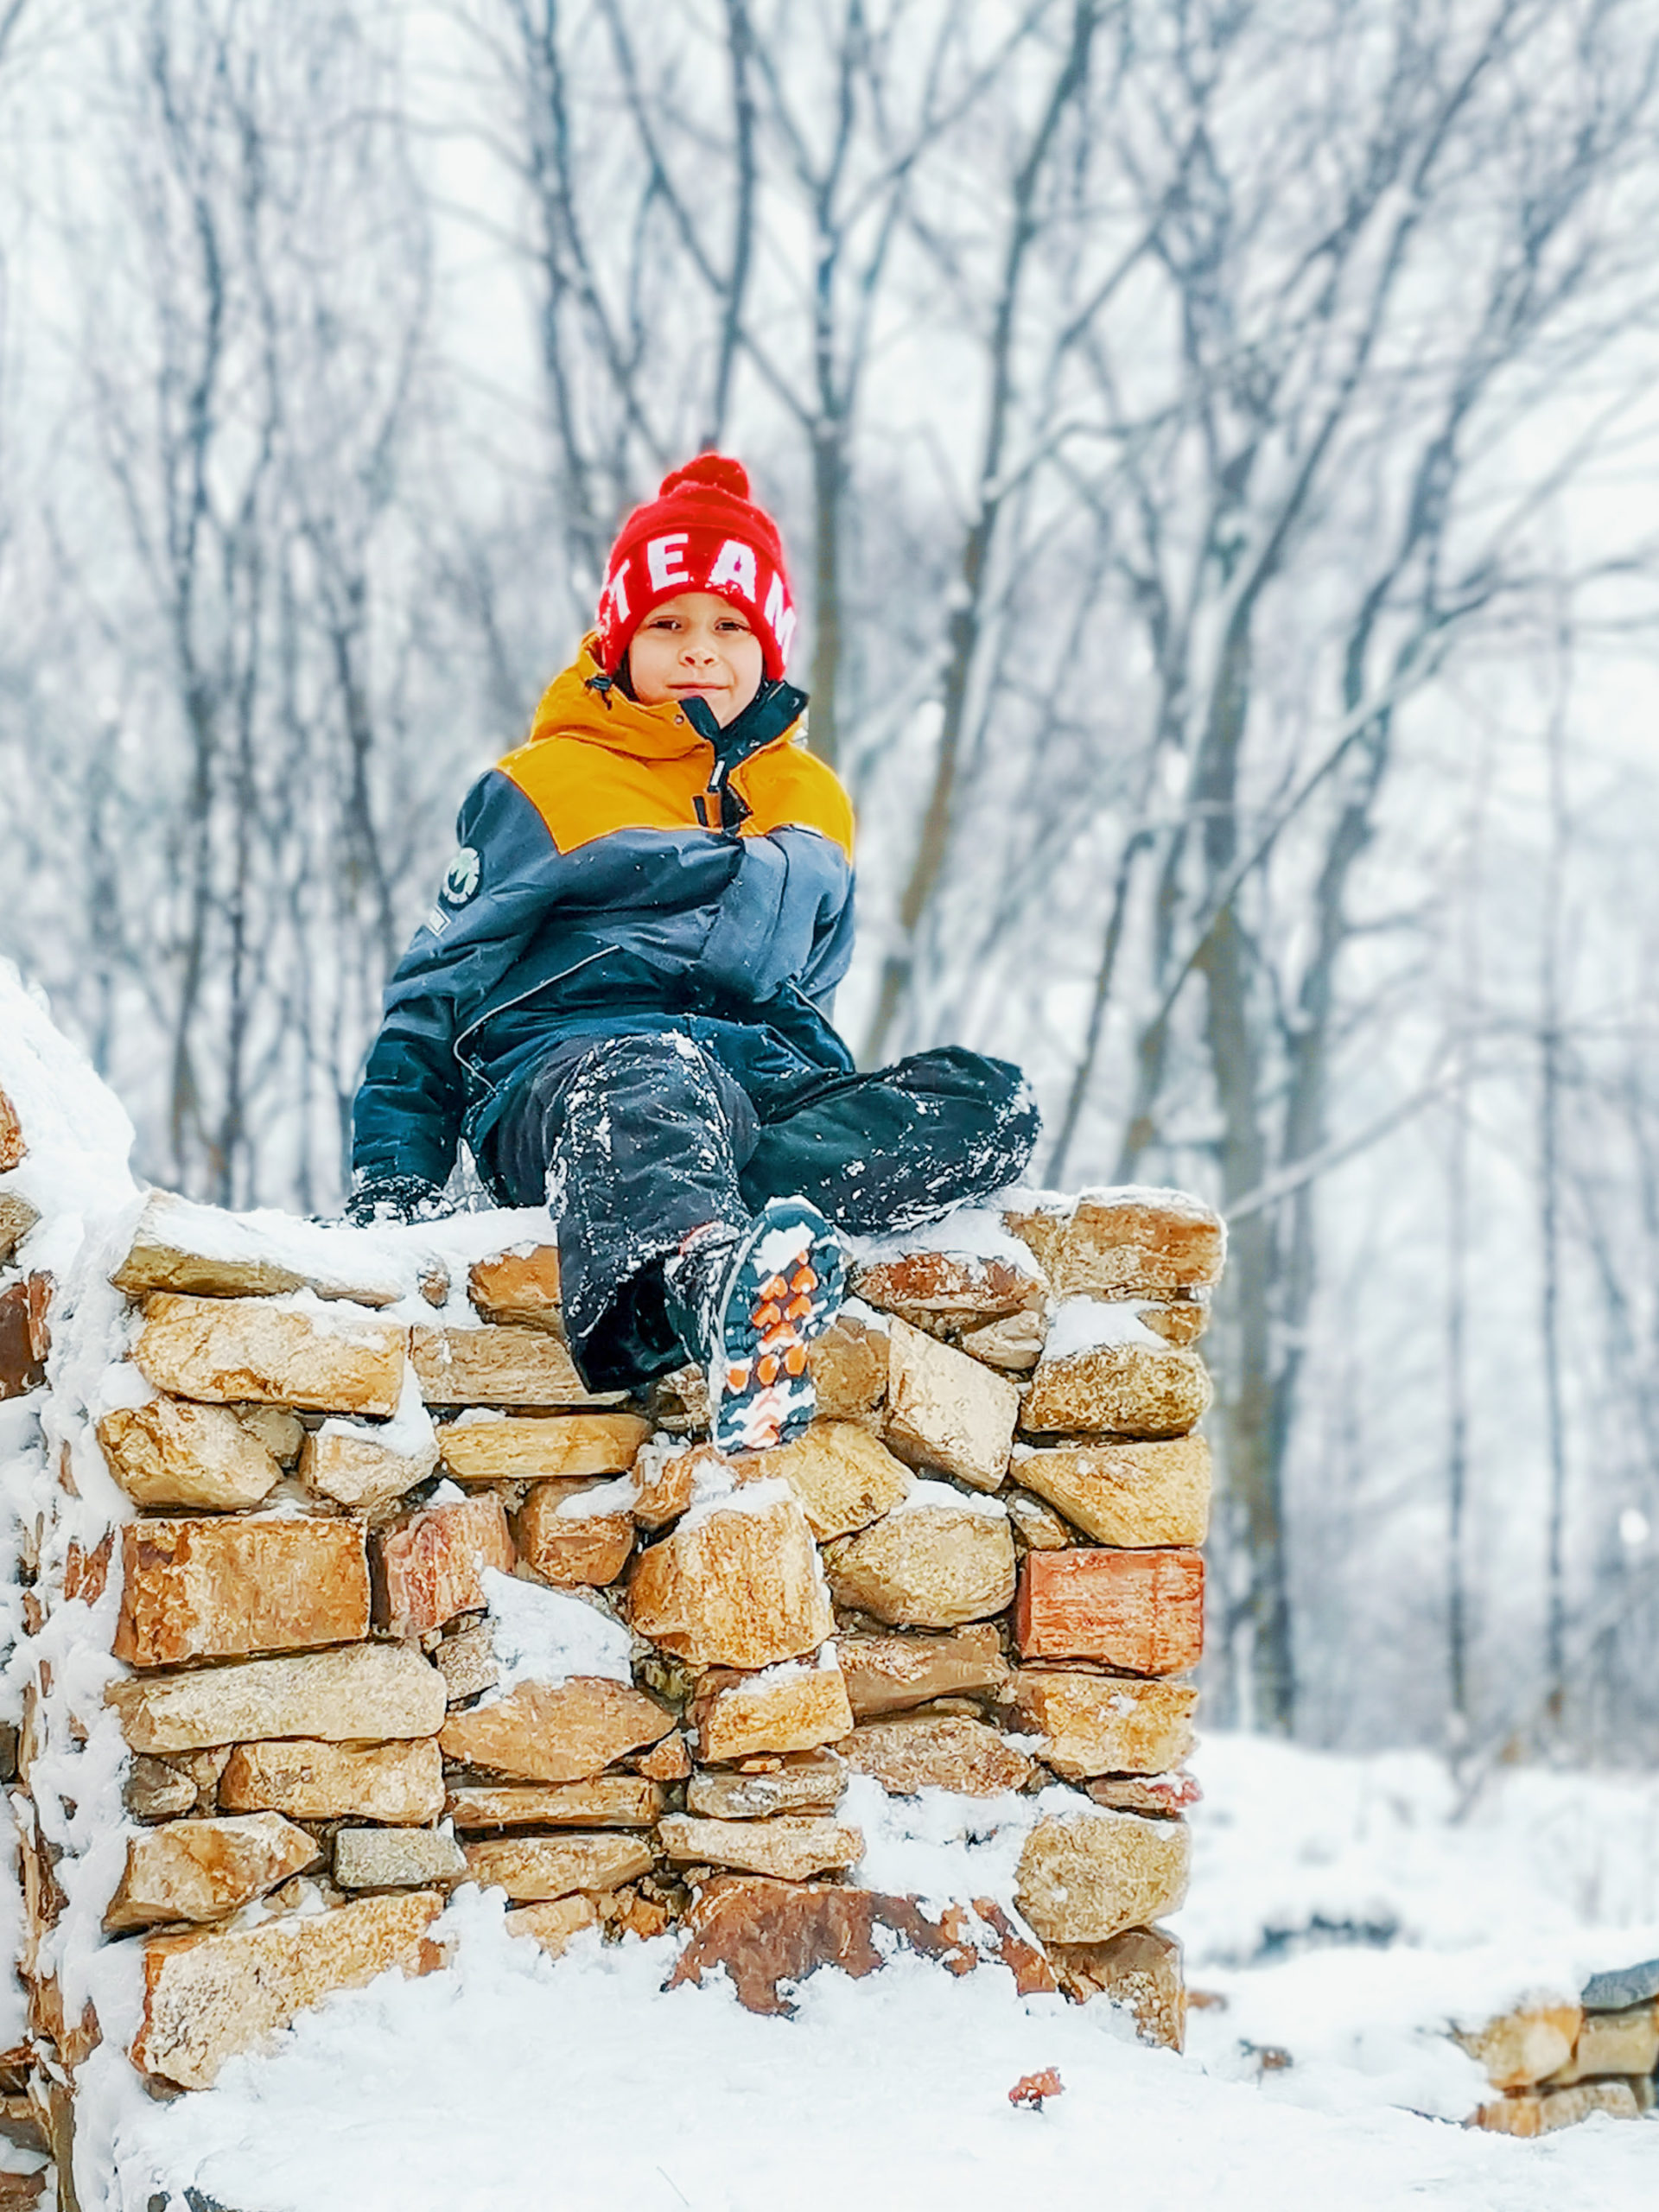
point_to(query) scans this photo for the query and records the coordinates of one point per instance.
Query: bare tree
(247, 411)
(1192, 412)
(1275, 438)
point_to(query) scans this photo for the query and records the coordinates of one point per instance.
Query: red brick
(1138, 1610)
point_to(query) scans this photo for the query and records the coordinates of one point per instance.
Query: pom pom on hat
(716, 468)
(703, 531)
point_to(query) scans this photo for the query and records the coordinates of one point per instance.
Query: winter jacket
(619, 870)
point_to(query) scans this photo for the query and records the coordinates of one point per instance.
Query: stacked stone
(978, 1571)
(22, 1297)
(23, 1341)
(1556, 2063)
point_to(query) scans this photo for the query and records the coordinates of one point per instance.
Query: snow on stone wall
(328, 1591)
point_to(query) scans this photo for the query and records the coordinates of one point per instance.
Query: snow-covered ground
(511, 2081)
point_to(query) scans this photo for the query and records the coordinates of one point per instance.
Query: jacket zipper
(534, 991)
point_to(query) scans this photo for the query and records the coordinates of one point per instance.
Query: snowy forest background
(1217, 439)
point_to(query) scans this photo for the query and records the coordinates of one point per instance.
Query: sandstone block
(1094, 1724)
(205, 1769)
(309, 1780)
(537, 1448)
(1162, 1795)
(890, 1673)
(1085, 1877)
(563, 1732)
(172, 1454)
(789, 1847)
(492, 1366)
(1142, 1612)
(843, 1476)
(631, 1912)
(12, 1146)
(1613, 2043)
(554, 1921)
(928, 1564)
(205, 1870)
(609, 1801)
(571, 1550)
(430, 1567)
(17, 1217)
(466, 1661)
(793, 1707)
(1181, 1318)
(25, 2192)
(679, 1403)
(156, 1791)
(22, 1364)
(529, 1867)
(1130, 1389)
(1014, 1343)
(220, 1588)
(946, 1410)
(1036, 1525)
(916, 1751)
(87, 1573)
(666, 1481)
(848, 1367)
(202, 1251)
(1119, 1243)
(955, 1288)
(1523, 2047)
(208, 1996)
(1141, 1969)
(736, 1586)
(1541, 2114)
(811, 1781)
(354, 1468)
(668, 1761)
(1135, 1495)
(767, 1937)
(395, 1858)
(281, 1433)
(370, 1692)
(520, 1286)
(231, 1348)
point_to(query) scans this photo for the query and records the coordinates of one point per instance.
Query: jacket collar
(583, 701)
(775, 709)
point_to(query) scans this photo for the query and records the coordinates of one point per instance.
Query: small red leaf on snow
(1033, 2089)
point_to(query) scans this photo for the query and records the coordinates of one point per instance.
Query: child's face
(698, 645)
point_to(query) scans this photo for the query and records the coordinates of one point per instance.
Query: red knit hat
(701, 533)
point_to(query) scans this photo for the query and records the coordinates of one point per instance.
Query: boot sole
(784, 1288)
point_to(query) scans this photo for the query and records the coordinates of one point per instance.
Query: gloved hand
(394, 1198)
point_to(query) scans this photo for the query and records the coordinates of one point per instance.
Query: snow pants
(635, 1139)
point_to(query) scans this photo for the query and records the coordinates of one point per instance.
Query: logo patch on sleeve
(462, 876)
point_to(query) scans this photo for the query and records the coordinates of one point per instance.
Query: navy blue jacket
(618, 870)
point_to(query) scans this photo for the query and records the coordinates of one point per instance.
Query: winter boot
(746, 1303)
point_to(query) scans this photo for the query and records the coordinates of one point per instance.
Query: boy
(620, 998)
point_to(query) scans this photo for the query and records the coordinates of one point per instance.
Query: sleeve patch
(462, 877)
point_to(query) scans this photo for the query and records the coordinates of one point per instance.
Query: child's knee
(663, 1059)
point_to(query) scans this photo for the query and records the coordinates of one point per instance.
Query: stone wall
(1551, 2064)
(340, 1591)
